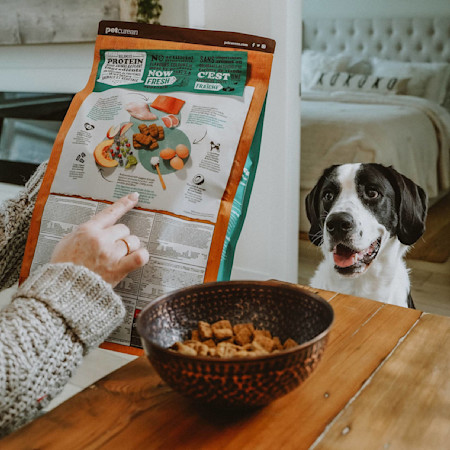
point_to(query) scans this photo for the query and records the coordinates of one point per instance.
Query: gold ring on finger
(128, 247)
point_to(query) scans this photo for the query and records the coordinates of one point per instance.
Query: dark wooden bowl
(287, 310)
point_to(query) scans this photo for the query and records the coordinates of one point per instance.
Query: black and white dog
(364, 217)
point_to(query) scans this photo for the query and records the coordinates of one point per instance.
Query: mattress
(412, 134)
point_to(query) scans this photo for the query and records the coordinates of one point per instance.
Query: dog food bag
(175, 114)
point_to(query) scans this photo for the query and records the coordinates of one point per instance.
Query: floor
(431, 293)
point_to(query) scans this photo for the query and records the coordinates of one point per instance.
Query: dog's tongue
(344, 256)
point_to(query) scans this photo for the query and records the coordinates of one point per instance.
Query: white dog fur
(364, 217)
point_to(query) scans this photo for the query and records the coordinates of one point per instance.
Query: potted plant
(147, 11)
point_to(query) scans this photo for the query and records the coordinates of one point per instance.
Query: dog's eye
(372, 193)
(328, 196)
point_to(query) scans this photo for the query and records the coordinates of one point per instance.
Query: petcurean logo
(117, 30)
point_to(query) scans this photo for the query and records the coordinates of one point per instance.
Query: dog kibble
(148, 137)
(204, 330)
(184, 349)
(210, 343)
(290, 343)
(263, 343)
(264, 333)
(243, 333)
(222, 330)
(222, 340)
(195, 335)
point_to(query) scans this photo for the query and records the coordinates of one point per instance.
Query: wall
(268, 247)
(174, 13)
(371, 8)
(61, 67)
(56, 21)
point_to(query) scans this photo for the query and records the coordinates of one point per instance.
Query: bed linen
(410, 133)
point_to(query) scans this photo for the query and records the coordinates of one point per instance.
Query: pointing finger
(110, 215)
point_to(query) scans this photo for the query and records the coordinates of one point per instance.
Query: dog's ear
(312, 203)
(411, 204)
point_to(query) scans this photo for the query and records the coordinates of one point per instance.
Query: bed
(376, 90)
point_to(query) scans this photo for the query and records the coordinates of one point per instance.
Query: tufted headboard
(403, 39)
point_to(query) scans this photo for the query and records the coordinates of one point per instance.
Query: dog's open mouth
(348, 260)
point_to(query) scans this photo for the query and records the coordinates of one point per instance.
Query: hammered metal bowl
(287, 310)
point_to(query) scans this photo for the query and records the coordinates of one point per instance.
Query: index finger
(110, 215)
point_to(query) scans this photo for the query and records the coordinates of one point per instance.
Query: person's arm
(15, 217)
(62, 310)
(56, 316)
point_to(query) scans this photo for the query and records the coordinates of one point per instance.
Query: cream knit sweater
(58, 314)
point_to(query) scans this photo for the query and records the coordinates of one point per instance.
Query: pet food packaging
(175, 114)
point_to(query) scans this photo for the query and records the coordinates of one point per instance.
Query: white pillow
(344, 81)
(313, 62)
(427, 80)
(362, 66)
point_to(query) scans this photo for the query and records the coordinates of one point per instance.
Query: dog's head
(355, 208)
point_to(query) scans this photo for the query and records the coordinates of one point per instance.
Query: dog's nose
(340, 224)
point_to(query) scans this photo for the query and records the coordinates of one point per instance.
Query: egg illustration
(167, 153)
(182, 151)
(177, 163)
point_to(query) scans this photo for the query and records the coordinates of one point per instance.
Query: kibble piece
(257, 349)
(289, 343)
(222, 330)
(200, 348)
(184, 349)
(242, 353)
(265, 333)
(210, 343)
(226, 350)
(142, 139)
(243, 326)
(261, 342)
(243, 333)
(195, 335)
(153, 130)
(277, 345)
(204, 330)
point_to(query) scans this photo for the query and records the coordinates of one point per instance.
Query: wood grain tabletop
(383, 383)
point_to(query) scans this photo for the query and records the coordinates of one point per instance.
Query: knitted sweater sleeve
(56, 316)
(15, 217)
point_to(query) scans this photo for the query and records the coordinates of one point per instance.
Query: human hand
(103, 246)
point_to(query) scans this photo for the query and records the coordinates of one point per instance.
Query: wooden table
(383, 383)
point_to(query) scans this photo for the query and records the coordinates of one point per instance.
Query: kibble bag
(175, 114)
